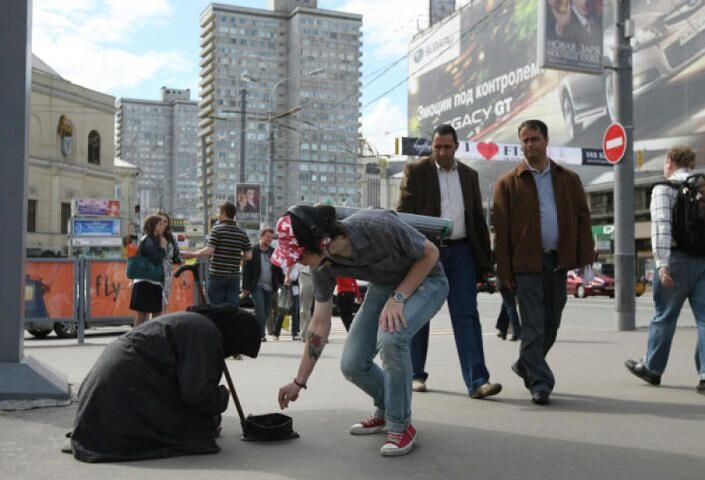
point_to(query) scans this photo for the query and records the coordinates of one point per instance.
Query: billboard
(247, 202)
(88, 227)
(439, 9)
(96, 207)
(570, 35)
(490, 80)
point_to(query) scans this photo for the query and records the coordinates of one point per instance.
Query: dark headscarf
(239, 328)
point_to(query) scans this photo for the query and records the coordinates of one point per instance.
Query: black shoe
(514, 338)
(540, 397)
(516, 368)
(700, 387)
(501, 335)
(640, 370)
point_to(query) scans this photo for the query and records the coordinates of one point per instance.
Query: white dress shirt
(452, 204)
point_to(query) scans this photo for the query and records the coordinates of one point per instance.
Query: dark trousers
(346, 301)
(508, 313)
(541, 300)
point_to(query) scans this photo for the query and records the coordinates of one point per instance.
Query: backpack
(688, 216)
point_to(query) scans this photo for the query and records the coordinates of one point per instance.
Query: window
(65, 216)
(94, 147)
(32, 216)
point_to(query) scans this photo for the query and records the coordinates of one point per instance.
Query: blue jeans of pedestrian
(459, 265)
(263, 306)
(224, 290)
(389, 385)
(688, 274)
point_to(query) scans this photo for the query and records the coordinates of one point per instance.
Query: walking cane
(231, 386)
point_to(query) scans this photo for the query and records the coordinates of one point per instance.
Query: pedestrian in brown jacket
(542, 229)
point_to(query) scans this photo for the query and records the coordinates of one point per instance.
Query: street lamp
(270, 119)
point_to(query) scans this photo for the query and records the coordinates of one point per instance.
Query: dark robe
(154, 392)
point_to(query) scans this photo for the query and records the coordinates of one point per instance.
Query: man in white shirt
(440, 186)
(680, 276)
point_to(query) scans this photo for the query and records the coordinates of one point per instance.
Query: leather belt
(549, 251)
(448, 242)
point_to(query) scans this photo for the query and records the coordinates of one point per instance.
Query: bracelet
(300, 385)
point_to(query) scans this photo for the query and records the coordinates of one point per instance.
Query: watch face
(399, 297)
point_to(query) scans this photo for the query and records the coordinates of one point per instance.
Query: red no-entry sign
(614, 143)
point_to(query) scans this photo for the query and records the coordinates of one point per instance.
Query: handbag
(285, 300)
(142, 268)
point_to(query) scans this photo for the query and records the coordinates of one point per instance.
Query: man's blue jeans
(389, 385)
(688, 274)
(459, 266)
(224, 290)
(263, 306)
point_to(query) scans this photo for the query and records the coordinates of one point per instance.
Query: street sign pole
(624, 172)
(21, 378)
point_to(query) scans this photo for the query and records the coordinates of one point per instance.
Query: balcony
(206, 59)
(207, 38)
(205, 121)
(207, 80)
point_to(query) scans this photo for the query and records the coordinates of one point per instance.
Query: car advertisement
(495, 81)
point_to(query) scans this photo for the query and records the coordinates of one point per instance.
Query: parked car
(599, 285)
(489, 285)
(669, 35)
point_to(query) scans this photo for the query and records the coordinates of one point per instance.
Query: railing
(69, 295)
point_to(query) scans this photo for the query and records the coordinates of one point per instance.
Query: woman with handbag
(146, 297)
(173, 257)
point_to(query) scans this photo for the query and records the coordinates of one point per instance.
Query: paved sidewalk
(602, 422)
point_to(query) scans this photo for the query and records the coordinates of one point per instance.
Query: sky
(131, 48)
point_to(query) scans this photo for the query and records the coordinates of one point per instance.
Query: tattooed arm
(316, 339)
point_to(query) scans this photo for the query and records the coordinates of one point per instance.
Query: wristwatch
(399, 297)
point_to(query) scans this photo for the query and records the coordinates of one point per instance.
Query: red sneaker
(371, 424)
(399, 443)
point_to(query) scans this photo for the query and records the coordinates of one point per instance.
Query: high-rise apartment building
(161, 138)
(297, 68)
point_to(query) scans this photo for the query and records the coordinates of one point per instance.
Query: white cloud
(82, 40)
(382, 124)
(389, 25)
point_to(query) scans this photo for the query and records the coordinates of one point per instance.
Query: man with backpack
(678, 244)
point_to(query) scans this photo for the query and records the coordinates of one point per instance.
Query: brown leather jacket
(421, 194)
(518, 225)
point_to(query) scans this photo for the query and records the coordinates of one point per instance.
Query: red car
(599, 285)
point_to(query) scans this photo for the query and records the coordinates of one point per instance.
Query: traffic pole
(21, 377)
(624, 171)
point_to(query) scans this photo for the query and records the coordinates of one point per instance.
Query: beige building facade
(71, 155)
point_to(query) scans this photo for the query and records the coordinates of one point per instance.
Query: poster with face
(248, 197)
